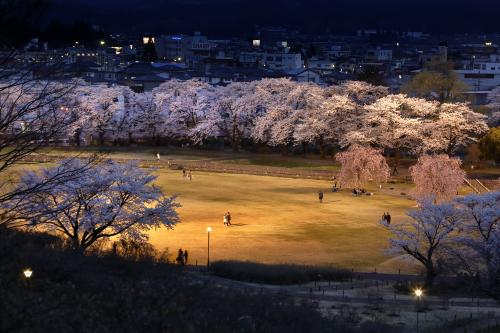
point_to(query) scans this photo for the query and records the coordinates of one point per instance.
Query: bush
(276, 274)
(490, 145)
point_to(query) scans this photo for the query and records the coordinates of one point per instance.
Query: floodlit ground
(278, 220)
(275, 219)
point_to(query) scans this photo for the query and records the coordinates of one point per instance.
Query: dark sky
(238, 17)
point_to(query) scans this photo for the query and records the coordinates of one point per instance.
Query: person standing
(185, 257)
(388, 218)
(225, 219)
(190, 175)
(183, 172)
(320, 197)
(158, 157)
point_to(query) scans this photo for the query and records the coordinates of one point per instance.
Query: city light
(418, 292)
(27, 273)
(209, 229)
(102, 43)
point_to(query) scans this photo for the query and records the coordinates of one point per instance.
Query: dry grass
(278, 220)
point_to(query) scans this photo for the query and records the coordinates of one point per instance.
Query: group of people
(186, 174)
(227, 219)
(182, 257)
(358, 191)
(386, 218)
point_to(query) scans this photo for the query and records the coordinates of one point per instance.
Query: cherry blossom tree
(232, 116)
(426, 236)
(360, 165)
(105, 200)
(147, 118)
(494, 105)
(360, 92)
(102, 104)
(393, 122)
(284, 110)
(184, 104)
(480, 223)
(457, 126)
(437, 177)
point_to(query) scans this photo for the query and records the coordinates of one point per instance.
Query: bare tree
(32, 115)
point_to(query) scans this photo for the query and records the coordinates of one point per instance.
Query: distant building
(379, 54)
(436, 58)
(481, 75)
(274, 60)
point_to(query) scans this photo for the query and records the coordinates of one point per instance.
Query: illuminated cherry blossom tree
(184, 105)
(232, 116)
(105, 200)
(360, 165)
(426, 236)
(479, 216)
(360, 92)
(456, 126)
(437, 177)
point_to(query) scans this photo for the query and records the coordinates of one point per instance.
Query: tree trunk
(101, 138)
(430, 275)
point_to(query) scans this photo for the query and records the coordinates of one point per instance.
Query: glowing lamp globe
(27, 273)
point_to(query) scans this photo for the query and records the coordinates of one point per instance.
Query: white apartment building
(481, 75)
(272, 60)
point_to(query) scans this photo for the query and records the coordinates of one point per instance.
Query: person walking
(185, 257)
(183, 173)
(158, 157)
(388, 218)
(225, 219)
(320, 197)
(228, 218)
(190, 175)
(180, 257)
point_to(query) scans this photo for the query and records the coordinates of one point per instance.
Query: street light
(102, 43)
(418, 293)
(27, 274)
(209, 230)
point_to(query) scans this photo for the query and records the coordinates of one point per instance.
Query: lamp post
(27, 274)
(418, 293)
(209, 230)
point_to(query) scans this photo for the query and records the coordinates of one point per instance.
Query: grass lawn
(275, 219)
(279, 220)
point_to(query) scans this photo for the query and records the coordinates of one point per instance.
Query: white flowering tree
(480, 222)
(360, 165)
(148, 119)
(437, 177)
(105, 200)
(456, 126)
(102, 104)
(285, 105)
(426, 236)
(232, 115)
(184, 105)
(494, 105)
(393, 122)
(360, 92)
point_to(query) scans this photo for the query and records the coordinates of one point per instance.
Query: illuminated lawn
(279, 220)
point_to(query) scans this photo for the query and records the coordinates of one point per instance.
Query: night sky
(238, 17)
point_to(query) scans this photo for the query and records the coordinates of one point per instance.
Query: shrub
(276, 274)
